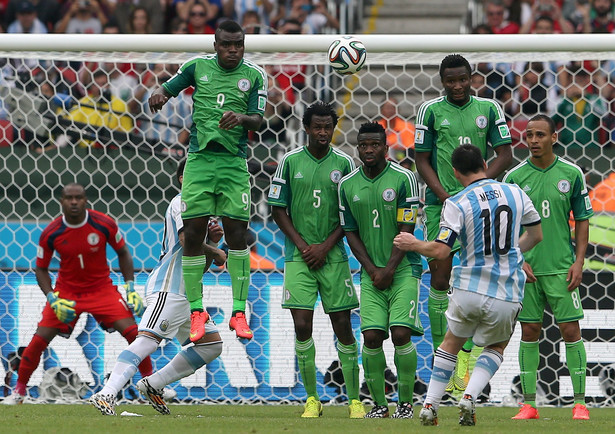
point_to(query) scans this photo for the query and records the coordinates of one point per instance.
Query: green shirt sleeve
(182, 79)
(499, 133)
(347, 220)
(279, 191)
(579, 201)
(425, 136)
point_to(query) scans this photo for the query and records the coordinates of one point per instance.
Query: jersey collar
(228, 70)
(362, 171)
(457, 106)
(307, 151)
(78, 225)
(540, 169)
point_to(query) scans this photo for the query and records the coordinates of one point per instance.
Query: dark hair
(180, 168)
(229, 26)
(545, 18)
(99, 73)
(545, 118)
(454, 61)
(319, 108)
(71, 184)
(373, 127)
(467, 159)
(482, 29)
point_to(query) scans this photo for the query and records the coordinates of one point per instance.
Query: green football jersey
(307, 188)
(375, 207)
(555, 191)
(217, 90)
(441, 127)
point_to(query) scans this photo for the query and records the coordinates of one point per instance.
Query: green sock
(192, 271)
(436, 306)
(576, 359)
(238, 264)
(374, 364)
(529, 357)
(467, 347)
(405, 361)
(349, 359)
(306, 357)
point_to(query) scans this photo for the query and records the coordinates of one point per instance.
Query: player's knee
(530, 332)
(207, 353)
(571, 331)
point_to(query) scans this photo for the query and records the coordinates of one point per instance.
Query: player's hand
(529, 273)
(157, 100)
(134, 300)
(230, 120)
(214, 231)
(575, 274)
(405, 241)
(63, 308)
(219, 257)
(383, 278)
(314, 256)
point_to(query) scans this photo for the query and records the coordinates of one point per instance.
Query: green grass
(222, 418)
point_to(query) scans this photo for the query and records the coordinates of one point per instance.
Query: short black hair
(180, 169)
(547, 119)
(229, 26)
(467, 159)
(319, 108)
(545, 18)
(72, 184)
(454, 61)
(372, 127)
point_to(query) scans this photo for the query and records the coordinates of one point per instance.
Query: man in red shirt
(83, 284)
(494, 14)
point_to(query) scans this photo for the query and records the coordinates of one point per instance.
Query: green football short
(216, 184)
(396, 306)
(333, 281)
(432, 223)
(552, 289)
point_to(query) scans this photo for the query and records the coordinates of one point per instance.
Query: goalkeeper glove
(134, 300)
(63, 308)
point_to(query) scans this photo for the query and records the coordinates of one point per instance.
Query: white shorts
(486, 320)
(168, 316)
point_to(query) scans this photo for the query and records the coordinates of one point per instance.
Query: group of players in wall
(513, 239)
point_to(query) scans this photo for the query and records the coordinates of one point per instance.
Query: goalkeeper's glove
(63, 308)
(134, 300)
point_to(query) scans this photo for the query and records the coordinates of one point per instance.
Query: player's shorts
(486, 320)
(333, 281)
(105, 304)
(168, 316)
(432, 224)
(396, 306)
(216, 184)
(552, 289)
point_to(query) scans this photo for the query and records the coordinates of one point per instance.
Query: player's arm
(360, 252)
(437, 249)
(158, 99)
(285, 223)
(581, 239)
(230, 120)
(532, 235)
(43, 278)
(429, 175)
(383, 277)
(501, 162)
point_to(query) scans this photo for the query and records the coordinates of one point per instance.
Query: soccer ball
(347, 55)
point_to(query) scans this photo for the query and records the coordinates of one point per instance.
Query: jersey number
(375, 222)
(245, 199)
(464, 140)
(503, 235)
(546, 209)
(316, 203)
(80, 256)
(220, 99)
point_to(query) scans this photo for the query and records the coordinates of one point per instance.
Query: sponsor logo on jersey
(356, 198)
(406, 215)
(274, 191)
(419, 137)
(40, 253)
(445, 123)
(444, 235)
(164, 325)
(183, 206)
(93, 239)
(389, 195)
(481, 122)
(298, 175)
(244, 84)
(335, 176)
(504, 131)
(204, 78)
(563, 186)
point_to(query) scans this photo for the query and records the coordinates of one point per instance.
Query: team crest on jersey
(389, 195)
(244, 84)
(563, 186)
(481, 122)
(93, 239)
(183, 206)
(164, 325)
(335, 176)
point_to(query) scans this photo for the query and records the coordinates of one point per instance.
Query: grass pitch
(223, 418)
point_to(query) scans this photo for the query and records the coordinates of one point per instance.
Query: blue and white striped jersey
(486, 217)
(167, 275)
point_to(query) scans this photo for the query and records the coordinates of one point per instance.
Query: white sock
(443, 368)
(185, 363)
(128, 363)
(486, 366)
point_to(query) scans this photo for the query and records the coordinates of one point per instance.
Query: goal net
(74, 109)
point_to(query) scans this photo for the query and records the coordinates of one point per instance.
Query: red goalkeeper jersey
(82, 250)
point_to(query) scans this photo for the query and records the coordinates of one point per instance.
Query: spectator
(100, 109)
(479, 84)
(603, 21)
(214, 10)
(494, 17)
(579, 114)
(47, 11)
(399, 133)
(83, 16)
(291, 78)
(139, 21)
(234, 9)
(251, 23)
(547, 9)
(530, 97)
(111, 27)
(517, 11)
(197, 20)
(154, 10)
(277, 113)
(579, 15)
(178, 26)
(319, 16)
(27, 19)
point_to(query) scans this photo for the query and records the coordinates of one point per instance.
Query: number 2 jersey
(217, 90)
(555, 191)
(442, 126)
(82, 249)
(486, 217)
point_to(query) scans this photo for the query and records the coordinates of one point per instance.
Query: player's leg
(127, 327)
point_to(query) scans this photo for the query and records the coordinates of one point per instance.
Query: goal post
(128, 165)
